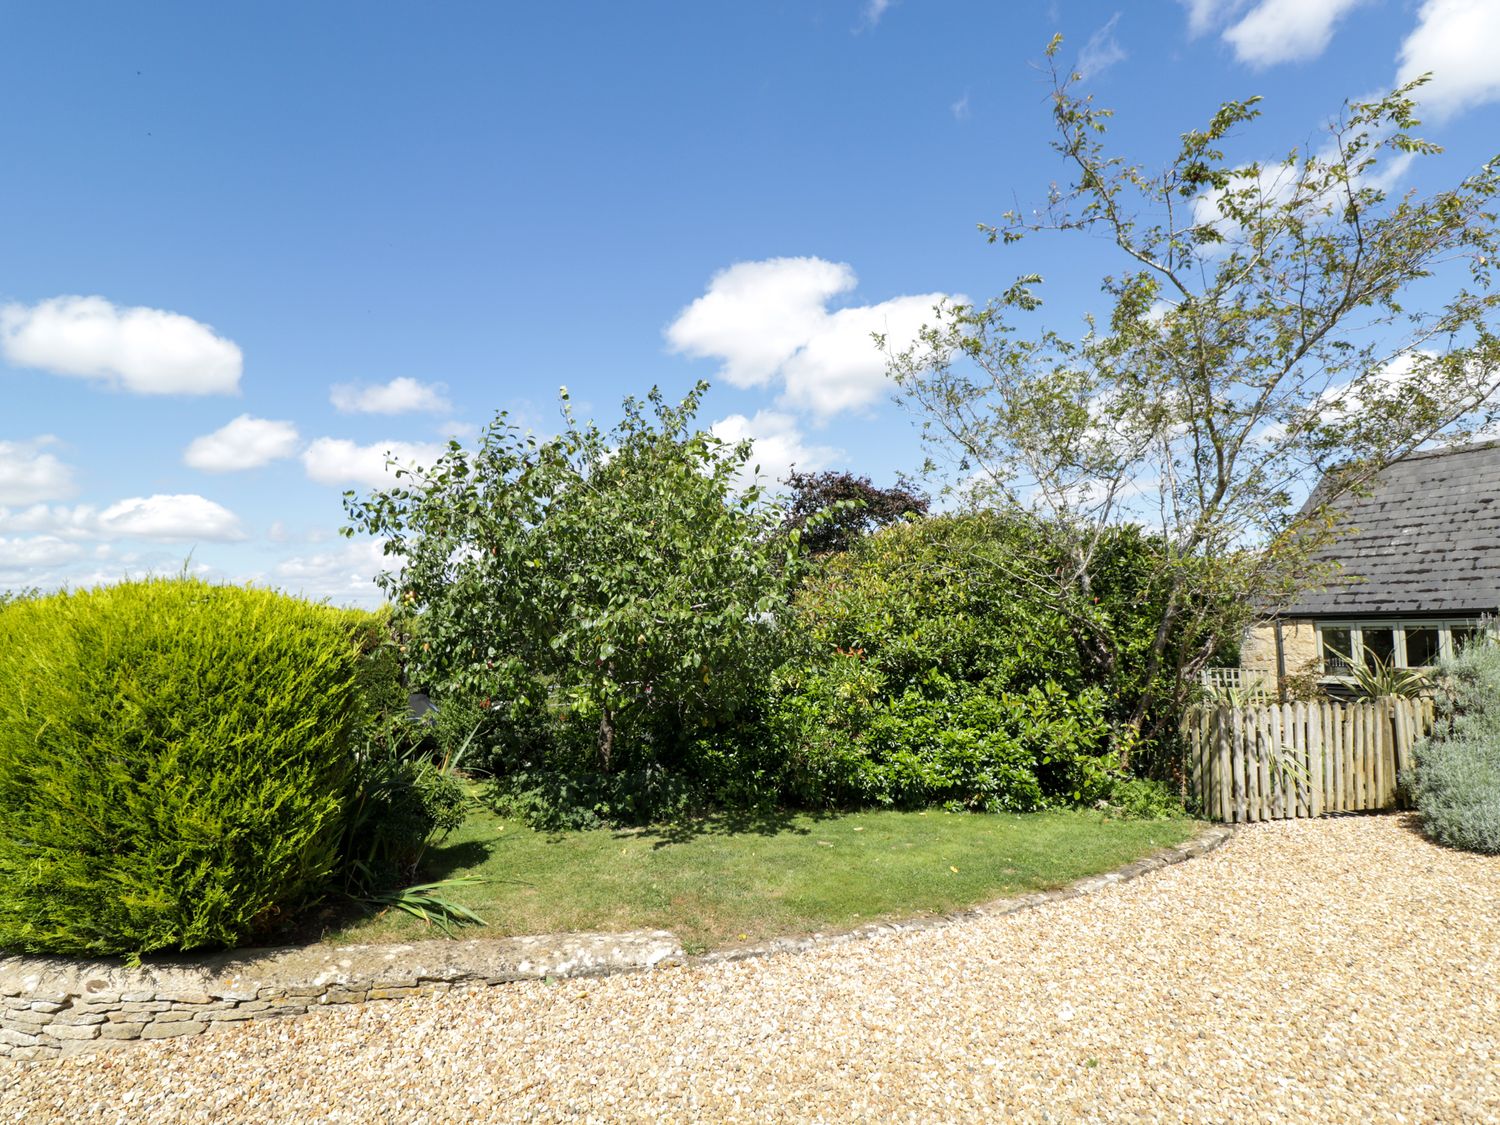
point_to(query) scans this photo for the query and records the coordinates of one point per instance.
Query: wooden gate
(1274, 761)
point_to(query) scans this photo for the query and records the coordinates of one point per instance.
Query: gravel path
(1316, 971)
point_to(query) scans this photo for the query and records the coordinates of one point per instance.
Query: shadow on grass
(444, 860)
(757, 822)
(341, 911)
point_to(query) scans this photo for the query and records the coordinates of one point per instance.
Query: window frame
(1398, 626)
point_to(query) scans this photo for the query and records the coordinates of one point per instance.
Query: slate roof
(1425, 540)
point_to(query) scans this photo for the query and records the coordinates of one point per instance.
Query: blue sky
(247, 248)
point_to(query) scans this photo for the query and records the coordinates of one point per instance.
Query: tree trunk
(606, 739)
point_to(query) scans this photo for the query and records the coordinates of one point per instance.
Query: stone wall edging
(55, 1007)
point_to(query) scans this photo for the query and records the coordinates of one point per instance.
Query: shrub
(1143, 798)
(1455, 779)
(926, 680)
(404, 793)
(833, 509)
(965, 748)
(174, 764)
(401, 804)
(610, 600)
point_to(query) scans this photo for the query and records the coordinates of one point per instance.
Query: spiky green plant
(1380, 678)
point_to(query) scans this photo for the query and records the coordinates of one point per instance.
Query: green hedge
(1455, 781)
(927, 679)
(174, 764)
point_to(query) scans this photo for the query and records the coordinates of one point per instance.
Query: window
(1377, 647)
(1346, 645)
(1461, 635)
(1424, 645)
(1338, 650)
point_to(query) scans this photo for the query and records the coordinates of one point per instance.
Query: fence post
(1233, 736)
(1223, 758)
(1315, 713)
(1290, 746)
(1192, 724)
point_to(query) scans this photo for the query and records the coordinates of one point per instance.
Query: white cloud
(170, 519)
(1278, 31)
(28, 474)
(1102, 50)
(78, 522)
(960, 108)
(1205, 14)
(874, 9)
(769, 321)
(1459, 42)
(161, 518)
(146, 351)
(1271, 31)
(40, 550)
(841, 367)
(756, 315)
(779, 445)
(346, 573)
(399, 396)
(340, 461)
(245, 443)
(458, 431)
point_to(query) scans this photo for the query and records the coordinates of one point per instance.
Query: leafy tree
(15, 597)
(614, 592)
(851, 506)
(1270, 324)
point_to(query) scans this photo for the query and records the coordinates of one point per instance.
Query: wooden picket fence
(1275, 761)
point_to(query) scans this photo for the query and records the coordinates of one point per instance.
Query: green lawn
(720, 882)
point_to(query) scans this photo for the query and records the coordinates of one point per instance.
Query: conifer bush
(174, 764)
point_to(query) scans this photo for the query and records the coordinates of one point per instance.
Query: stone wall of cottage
(1299, 642)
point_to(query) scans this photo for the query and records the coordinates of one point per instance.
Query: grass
(724, 881)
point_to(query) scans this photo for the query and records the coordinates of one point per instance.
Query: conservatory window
(1338, 650)
(1424, 645)
(1462, 635)
(1377, 647)
(1346, 645)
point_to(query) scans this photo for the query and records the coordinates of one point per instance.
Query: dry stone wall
(51, 1007)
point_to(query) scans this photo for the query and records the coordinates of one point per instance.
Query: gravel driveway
(1339, 970)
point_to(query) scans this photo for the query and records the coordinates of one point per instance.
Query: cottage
(1418, 561)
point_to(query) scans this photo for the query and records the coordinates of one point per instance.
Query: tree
(15, 597)
(609, 589)
(851, 506)
(1266, 330)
